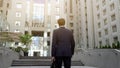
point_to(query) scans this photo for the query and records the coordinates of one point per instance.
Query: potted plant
(25, 39)
(25, 50)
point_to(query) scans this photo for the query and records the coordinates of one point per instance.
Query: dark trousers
(65, 60)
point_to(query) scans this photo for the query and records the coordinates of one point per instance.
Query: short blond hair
(61, 21)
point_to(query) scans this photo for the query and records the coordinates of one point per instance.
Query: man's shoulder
(64, 29)
(68, 29)
(55, 29)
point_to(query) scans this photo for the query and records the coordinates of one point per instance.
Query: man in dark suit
(62, 45)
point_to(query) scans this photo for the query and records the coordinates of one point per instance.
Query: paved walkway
(48, 67)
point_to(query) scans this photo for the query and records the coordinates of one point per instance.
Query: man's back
(63, 42)
(62, 45)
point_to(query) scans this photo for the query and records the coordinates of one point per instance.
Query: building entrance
(39, 45)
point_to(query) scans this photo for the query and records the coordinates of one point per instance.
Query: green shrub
(25, 49)
(18, 49)
(118, 44)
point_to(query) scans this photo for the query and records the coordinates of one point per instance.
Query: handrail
(117, 50)
(98, 53)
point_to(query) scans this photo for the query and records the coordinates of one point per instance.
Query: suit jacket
(62, 42)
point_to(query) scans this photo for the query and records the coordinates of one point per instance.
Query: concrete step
(34, 57)
(49, 67)
(39, 62)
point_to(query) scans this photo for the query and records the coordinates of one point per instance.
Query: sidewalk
(48, 67)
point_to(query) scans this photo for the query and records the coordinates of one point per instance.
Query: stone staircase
(38, 61)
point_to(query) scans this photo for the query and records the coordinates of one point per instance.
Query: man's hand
(53, 59)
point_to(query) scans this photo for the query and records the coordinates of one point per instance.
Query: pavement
(49, 67)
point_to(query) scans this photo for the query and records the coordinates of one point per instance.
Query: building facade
(98, 22)
(94, 23)
(4, 7)
(37, 17)
(106, 21)
(85, 24)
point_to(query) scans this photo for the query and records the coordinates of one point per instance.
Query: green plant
(105, 47)
(18, 49)
(25, 49)
(96, 47)
(113, 45)
(25, 39)
(118, 44)
(109, 46)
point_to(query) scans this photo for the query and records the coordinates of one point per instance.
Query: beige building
(4, 7)
(72, 19)
(17, 16)
(37, 17)
(98, 22)
(93, 22)
(106, 21)
(84, 24)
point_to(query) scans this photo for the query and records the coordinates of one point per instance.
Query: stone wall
(6, 57)
(101, 58)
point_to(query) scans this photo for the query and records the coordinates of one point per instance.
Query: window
(17, 30)
(107, 41)
(71, 17)
(19, 5)
(26, 32)
(114, 28)
(57, 17)
(104, 12)
(18, 14)
(87, 45)
(99, 34)
(6, 13)
(7, 5)
(99, 25)
(103, 2)
(57, 10)
(48, 43)
(113, 17)
(17, 23)
(105, 21)
(71, 24)
(16, 43)
(106, 31)
(48, 34)
(115, 39)
(112, 6)
(98, 16)
(100, 43)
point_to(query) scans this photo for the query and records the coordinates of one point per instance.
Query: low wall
(6, 57)
(101, 58)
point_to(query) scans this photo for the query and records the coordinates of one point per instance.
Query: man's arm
(72, 44)
(54, 42)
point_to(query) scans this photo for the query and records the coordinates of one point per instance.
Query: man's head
(61, 22)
